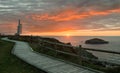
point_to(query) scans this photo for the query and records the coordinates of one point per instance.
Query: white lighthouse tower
(19, 28)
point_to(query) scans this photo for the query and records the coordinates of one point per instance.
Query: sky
(61, 17)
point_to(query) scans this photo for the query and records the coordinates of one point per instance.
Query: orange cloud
(10, 27)
(104, 12)
(51, 28)
(71, 14)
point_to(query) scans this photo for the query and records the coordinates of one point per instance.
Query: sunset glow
(61, 18)
(68, 35)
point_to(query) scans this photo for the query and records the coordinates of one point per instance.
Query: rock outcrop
(69, 44)
(96, 41)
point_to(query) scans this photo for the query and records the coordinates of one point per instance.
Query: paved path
(24, 51)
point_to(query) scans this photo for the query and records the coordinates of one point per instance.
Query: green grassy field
(10, 63)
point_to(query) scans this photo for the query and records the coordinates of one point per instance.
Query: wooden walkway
(50, 65)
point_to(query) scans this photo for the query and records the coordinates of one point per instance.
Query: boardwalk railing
(106, 51)
(55, 45)
(78, 55)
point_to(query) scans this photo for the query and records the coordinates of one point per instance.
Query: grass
(10, 63)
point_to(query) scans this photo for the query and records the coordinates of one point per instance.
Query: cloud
(108, 29)
(59, 15)
(9, 27)
(71, 14)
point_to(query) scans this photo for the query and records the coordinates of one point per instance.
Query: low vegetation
(36, 47)
(89, 64)
(10, 63)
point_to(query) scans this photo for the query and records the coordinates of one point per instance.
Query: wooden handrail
(102, 50)
(62, 52)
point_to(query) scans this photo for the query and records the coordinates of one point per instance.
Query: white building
(19, 28)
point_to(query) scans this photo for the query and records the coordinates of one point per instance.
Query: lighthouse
(19, 28)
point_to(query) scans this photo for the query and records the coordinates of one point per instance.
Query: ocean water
(114, 45)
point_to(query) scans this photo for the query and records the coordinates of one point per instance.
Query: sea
(114, 45)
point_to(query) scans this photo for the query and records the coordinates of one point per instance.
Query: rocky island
(96, 41)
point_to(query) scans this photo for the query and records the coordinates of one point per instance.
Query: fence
(78, 55)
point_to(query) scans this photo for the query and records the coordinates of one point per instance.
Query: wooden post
(55, 47)
(42, 44)
(31, 39)
(79, 54)
(0, 35)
